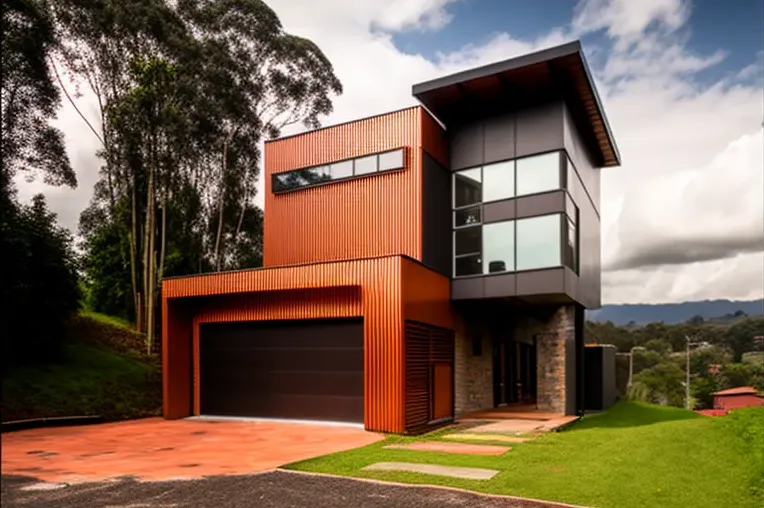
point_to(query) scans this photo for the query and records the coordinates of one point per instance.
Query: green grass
(634, 455)
(109, 320)
(102, 371)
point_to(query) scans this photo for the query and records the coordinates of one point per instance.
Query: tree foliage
(30, 144)
(39, 289)
(187, 93)
(660, 369)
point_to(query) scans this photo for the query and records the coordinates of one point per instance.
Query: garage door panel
(300, 407)
(348, 384)
(295, 369)
(286, 359)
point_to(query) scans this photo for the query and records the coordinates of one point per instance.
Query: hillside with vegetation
(675, 313)
(102, 369)
(725, 354)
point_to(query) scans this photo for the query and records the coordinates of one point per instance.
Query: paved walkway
(157, 449)
(277, 489)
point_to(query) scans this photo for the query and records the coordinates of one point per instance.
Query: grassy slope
(103, 371)
(634, 455)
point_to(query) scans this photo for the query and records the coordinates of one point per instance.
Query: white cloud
(690, 165)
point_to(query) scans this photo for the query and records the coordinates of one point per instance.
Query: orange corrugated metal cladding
(344, 241)
(373, 216)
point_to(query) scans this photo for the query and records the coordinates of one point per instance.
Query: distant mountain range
(673, 313)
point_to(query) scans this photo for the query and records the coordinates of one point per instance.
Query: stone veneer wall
(473, 375)
(552, 338)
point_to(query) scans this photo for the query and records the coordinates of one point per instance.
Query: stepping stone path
(509, 427)
(501, 438)
(436, 446)
(467, 473)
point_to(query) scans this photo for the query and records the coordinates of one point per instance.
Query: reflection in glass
(467, 187)
(467, 265)
(538, 242)
(391, 160)
(571, 246)
(499, 181)
(467, 216)
(499, 247)
(365, 165)
(467, 241)
(341, 170)
(539, 173)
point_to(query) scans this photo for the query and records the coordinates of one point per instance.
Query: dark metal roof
(557, 72)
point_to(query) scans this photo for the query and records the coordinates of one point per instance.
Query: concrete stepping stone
(438, 446)
(509, 427)
(466, 473)
(489, 437)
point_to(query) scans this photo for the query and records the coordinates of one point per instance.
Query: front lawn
(633, 455)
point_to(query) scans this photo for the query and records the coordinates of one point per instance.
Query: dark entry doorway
(514, 369)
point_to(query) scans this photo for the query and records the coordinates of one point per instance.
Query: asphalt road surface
(276, 489)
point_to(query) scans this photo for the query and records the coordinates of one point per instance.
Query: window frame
(480, 206)
(276, 176)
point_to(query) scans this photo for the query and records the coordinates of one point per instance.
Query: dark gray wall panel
(499, 138)
(589, 245)
(582, 160)
(541, 204)
(540, 282)
(508, 135)
(497, 286)
(467, 289)
(466, 146)
(539, 129)
(499, 211)
(436, 216)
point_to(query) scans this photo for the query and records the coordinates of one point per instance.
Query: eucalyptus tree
(187, 92)
(30, 98)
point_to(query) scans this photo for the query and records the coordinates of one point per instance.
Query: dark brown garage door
(309, 370)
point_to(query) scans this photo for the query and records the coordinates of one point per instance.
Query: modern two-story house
(418, 265)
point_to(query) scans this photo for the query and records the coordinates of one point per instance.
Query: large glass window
(538, 242)
(499, 247)
(467, 265)
(499, 181)
(571, 245)
(467, 241)
(468, 187)
(292, 180)
(540, 173)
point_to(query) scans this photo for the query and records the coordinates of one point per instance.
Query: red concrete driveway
(155, 449)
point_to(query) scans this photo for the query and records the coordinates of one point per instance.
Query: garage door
(310, 370)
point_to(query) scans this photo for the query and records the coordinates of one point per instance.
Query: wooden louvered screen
(426, 346)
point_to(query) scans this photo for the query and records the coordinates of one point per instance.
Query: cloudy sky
(682, 84)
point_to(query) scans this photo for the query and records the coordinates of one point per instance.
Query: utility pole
(631, 362)
(687, 373)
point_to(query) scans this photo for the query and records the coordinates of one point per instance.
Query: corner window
(540, 173)
(538, 242)
(571, 248)
(468, 187)
(499, 181)
(499, 247)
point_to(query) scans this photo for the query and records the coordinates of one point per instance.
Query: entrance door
(504, 370)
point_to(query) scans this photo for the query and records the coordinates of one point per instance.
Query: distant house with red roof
(737, 398)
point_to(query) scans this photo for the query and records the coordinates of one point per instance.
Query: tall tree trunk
(163, 242)
(147, 245)
(133, 257)
(221, 199)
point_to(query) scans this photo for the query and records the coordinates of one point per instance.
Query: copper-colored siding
(426, 295)
(376, 215)
(381, 305)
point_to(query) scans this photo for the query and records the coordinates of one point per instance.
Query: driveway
(276, 489)
(154, 449)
